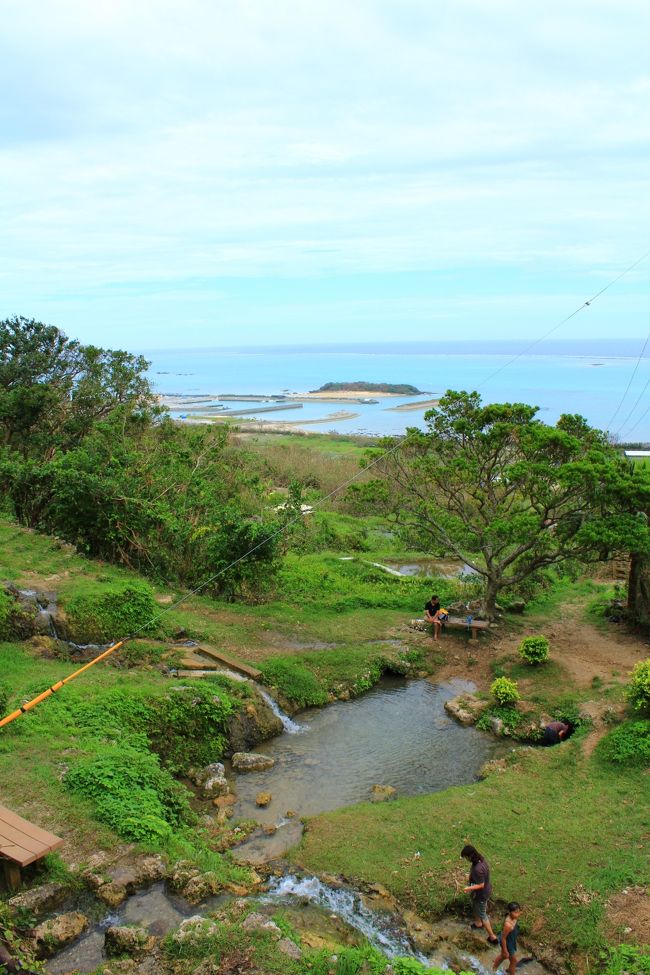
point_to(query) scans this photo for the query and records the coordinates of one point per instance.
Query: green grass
(556, 822)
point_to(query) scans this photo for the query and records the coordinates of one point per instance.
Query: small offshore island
(392, 389)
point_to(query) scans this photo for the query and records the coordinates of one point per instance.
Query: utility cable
(627, 388)
(585, 304)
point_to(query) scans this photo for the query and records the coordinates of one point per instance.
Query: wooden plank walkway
(227, 660)
(21, 841)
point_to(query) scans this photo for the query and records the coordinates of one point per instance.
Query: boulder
(466, 708)
(260, 922)
(52, 935)
(194, 929)
(211, 780)
(134, 942)
(251, 762)
(263, 798)
(381, 793)
(289, 948)
(40, 900)
(137, 872)
(200, 886)
(112, 894)
(221, 802)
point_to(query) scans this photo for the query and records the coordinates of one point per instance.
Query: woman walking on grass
(480, 890)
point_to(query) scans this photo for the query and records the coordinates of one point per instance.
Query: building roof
(637, 453)
(23, 842)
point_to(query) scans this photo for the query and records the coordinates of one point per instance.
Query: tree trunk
(490, 600)
(638, 589)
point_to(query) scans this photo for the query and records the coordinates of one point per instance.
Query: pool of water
(397, 734)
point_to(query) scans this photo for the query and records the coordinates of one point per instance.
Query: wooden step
(196, 663)
(228, 661)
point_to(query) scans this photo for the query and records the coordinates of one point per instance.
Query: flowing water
(397, 734)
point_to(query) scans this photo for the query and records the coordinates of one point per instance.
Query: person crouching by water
(480, 890)
(436, 615)
(509, 938)
(555, 732)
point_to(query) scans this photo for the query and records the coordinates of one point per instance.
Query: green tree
(510, 495)
(53, 389)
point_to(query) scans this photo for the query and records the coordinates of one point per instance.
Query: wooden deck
(21, 841)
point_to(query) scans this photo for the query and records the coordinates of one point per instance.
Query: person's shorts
(480, 909)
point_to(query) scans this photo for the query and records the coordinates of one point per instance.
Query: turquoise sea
(559, 377)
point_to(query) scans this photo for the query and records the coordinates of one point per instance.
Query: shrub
(626, 960)
(111, 613)
(295, 682)
(131, 793)
(504, 691)
(534, 649)
(5, 695)
(629, 744)
(639, 690)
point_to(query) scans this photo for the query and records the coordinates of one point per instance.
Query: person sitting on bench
(436, 615)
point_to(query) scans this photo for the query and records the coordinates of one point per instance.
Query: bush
(629, 744)
(131, 793)
(504, 691)
(534, 649)
(5, 695)
(295, 682)
(626, 960)
(111, 613)
(639, 690)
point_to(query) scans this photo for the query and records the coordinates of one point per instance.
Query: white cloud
(152, 141)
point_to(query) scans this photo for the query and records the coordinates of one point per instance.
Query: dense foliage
(629, 744)
(504, 691)
(639, 689)
(534, 649)
(114, 612)
(85, 455)
(510, 495)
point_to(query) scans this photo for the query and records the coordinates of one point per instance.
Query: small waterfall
(291, 727)
(347, 904)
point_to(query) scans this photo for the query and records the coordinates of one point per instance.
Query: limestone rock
(52, 935)
(211, 780)
(222, 801)
(289, 948)
(260, 922)
(40, 900)
(200, 886)
(135, 942)
(139, 872)
(251, 762)
(194, 929)
(380, 793)
(466, 708)
(112, 894)
(263, 798)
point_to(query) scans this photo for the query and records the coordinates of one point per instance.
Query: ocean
(560, 377)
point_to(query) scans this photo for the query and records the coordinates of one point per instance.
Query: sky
(212, 173)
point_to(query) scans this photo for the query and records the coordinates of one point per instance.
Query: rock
(253, 724)
(518, 606)
(134, 942)
(251, 762)
(194, 929)
(466, 708)
(379, 890)
(381, 793)
(52, 935)
(270, 829)
(112, 894)
(138, 872)
(263, 798)
(201, 886)
(496, 725)
(260, 922)
(495, 766)
(211, 780)
(222, 801)
(40, 900)
(289, 948)
(237, 890)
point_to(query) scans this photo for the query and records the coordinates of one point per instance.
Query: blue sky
(243, 172)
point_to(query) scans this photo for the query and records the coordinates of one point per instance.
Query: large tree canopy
(510, 495)
(53, 389)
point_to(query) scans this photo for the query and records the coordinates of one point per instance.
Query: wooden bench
(21, 843)
(456, 623)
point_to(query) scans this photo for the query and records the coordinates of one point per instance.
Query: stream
(397, 734)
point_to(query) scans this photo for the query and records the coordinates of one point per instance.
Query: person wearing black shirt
(431, 610)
